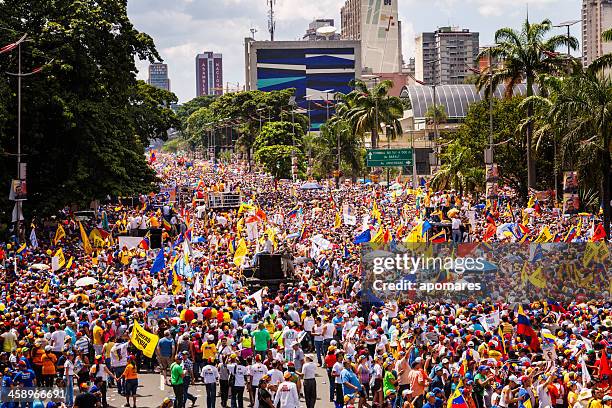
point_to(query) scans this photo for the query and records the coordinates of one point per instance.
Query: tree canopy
(86, 120)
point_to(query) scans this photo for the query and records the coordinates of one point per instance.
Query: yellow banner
(86, 245)
(143, 340)
(59, 234)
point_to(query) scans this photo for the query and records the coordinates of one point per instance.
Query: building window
(387, 2)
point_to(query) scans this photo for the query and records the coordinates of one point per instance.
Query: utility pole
(271, 23)
(253, 31)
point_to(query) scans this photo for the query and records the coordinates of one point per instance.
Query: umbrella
(162, 301)
(86, 281)
(39, 267)
(310, 186)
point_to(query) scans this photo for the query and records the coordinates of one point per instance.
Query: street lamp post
(435, 112)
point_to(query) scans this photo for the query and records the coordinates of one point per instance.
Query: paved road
(150, 395)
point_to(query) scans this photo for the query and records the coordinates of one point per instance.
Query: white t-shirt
(240, 372)
(210, 374)
(68, 368)
(102, 374)
(456, 223)
(276, 376)
(118, 355)
(257, 371)
(544, 396)
(287, 396)
(289, 337)
(309, 370)
(309, 323)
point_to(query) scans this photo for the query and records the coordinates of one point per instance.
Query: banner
(129, 242)
(490, 321)
(143, 340)
(571, 201)
(350, 219)
(86, 244)
(492, 175)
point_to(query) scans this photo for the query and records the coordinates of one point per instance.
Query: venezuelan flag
(524, 328)
(456, 400)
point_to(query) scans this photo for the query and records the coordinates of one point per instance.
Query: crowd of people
(313, 339)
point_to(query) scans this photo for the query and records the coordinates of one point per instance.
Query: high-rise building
(311, 33)
(445, 56)
(158, 76)
(596, 18)
(377, 26)
(209, 74)
(317, 70)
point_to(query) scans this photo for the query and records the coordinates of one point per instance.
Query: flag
(415, 234)
(143, 340)
(545, 235)
(293, 213)
(425, 227)
(85, 239)
(241, 252)
(258, 298)
(176, 283)
(598, 234)
(338, 221)
(59, 234)
(570, 235)
(456, 400)
(378, 238)
(261, 215)
(489, 217)
(604, 366)
(245, 207)
(160, 262)
(144, 243)
(21, 248)
(58, 260)
(536, 253)
(364, 237)
(489, 231)
(586, 377)
(376, 212)
(440, 237)
(33, 239)
(167, 226)
(524, 328)
(45, 288)
(69, 263)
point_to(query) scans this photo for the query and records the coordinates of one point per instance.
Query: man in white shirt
(287, 395)
(255, 371)
(310, 384)
(289, 337)
(210, 375)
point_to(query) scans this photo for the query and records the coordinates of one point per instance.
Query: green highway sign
(389, 157)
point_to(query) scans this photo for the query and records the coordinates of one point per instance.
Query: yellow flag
(143, 340)
(245, 207)
(96, 238)
(537, 279)
(59, 234)
(240, 227)
(376, 212)
(58, 260)
(86, 245)
(524, 274)
(415, 234)
(241, 251)
(176, 283)
(545, 235)
(338, 221)
(69, 263)
(590, 252)
(45, 288)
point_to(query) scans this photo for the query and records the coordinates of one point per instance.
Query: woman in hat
(100, 373)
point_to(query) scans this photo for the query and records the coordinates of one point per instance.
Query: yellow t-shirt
(98, 335)
(209, 351)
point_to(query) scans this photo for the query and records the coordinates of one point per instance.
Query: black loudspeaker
(269, 267)
(155, 241)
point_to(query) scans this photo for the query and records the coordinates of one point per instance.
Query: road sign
(389, 157)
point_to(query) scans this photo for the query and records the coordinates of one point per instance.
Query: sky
(183, 28)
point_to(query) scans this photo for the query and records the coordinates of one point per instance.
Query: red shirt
(330, 360)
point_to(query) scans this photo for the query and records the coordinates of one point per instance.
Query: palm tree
(458, 170)
(583, 111)
(325, 147)
(526, 56)
(367, 108)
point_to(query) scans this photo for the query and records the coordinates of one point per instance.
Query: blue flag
(159, 263)
(365, 236)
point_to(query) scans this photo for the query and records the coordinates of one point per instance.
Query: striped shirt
(188, 367)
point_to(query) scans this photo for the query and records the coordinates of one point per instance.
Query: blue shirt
(165, 346)
(348, 376)
(7, 381)
(25, 378)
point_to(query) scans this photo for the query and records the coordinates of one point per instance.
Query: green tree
(437, 113)
(188, 108)
(366, 109)
(279, 133)
(276, 160)
(459, 169)
(583, 110)
(325, 150)
(527, 56)
(86, 120)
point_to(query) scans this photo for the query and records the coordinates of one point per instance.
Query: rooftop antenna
(253, 31)
(271, 23)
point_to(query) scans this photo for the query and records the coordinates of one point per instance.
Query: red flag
(489, 232)
(604, 365)
(599, 233)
